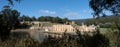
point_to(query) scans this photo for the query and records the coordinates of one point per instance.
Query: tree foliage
(99, 6)
(11, 1)
(53, 19)
(8, 20)
(33, 18)
(44, 19)
(102, 20)
(25, 18)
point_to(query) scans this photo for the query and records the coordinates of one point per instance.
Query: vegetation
(99, 6)
(104, 22)
(44, 18)
(11, 2)
(8, 20)
(53, 19)
(23, 41)
(109, 39)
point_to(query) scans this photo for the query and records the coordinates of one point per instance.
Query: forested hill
(107, 19)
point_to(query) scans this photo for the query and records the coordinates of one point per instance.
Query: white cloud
(47, 12)
(71, 14)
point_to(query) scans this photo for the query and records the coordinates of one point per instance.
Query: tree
(8, 20)
(11, 1)
(48, 18)
(25, 18)
(33, 18)
(99, 6)
(53, 19)
(57, 20)
(14, 18)
(65, 20)
(42, 18)
(10, 16)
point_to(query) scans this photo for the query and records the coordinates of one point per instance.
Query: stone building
(63, 28)
(85, 28)
(72, 27)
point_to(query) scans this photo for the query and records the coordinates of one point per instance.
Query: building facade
(63, 28)
(71, 28)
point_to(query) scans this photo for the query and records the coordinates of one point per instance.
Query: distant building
(70, 23)
(71, 28)
(85, 28)
(63, 28)
(68, 27)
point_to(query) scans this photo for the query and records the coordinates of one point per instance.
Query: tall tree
(8, 19)
(99, 6)
(14, 18)
(113, 6)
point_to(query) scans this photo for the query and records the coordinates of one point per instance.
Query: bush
(19, 42)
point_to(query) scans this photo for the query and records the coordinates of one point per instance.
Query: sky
(71, 9)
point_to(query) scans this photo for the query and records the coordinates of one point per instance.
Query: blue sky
(72, 9)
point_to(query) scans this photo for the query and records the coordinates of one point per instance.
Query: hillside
(108, 19)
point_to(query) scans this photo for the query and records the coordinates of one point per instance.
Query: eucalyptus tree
(8, 20)
(11, 2)
(113, 6)
(99, 6)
